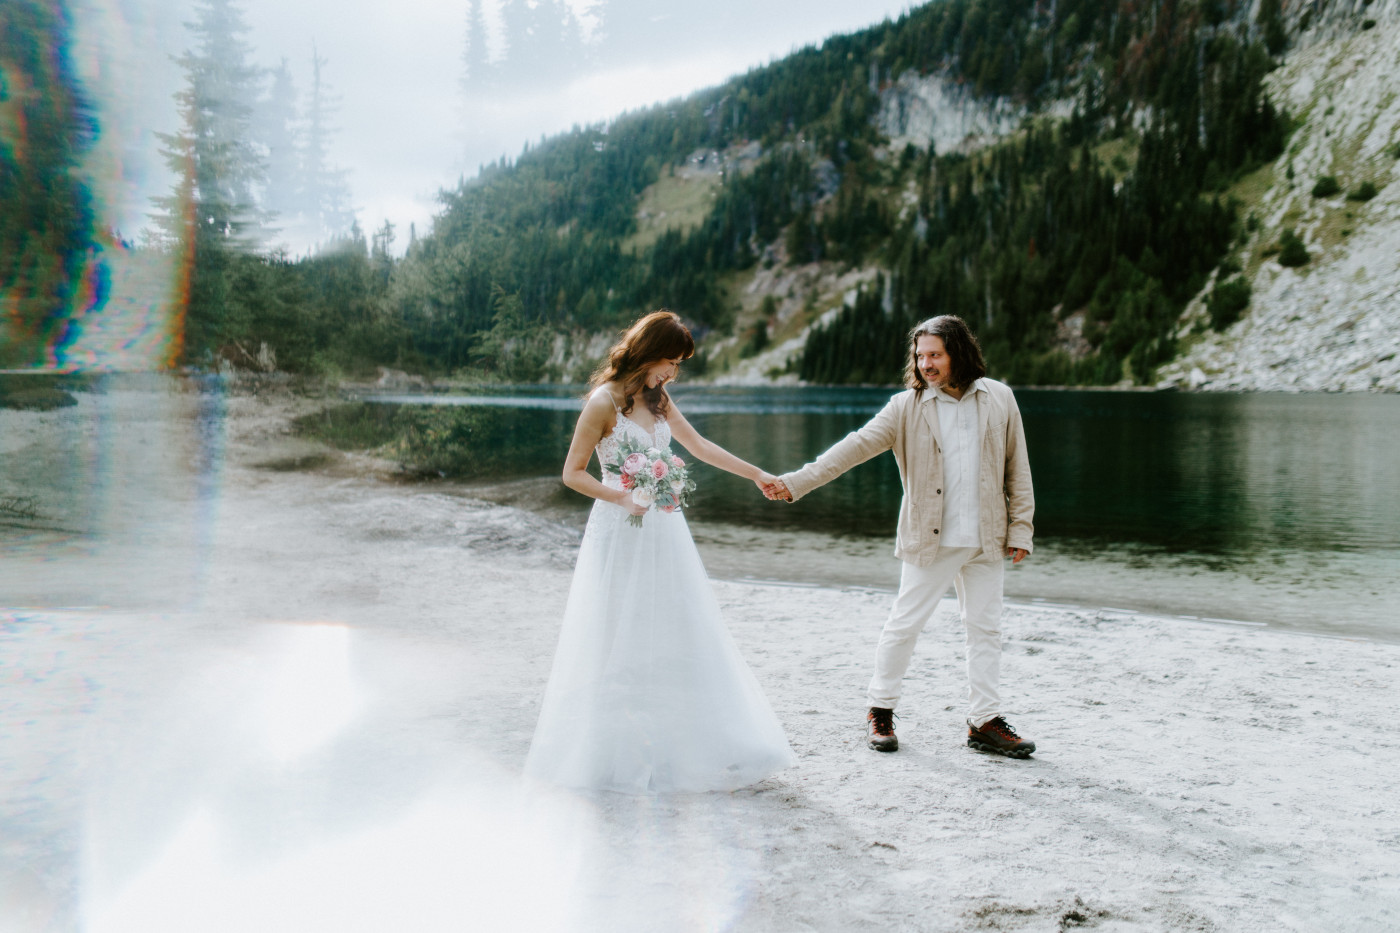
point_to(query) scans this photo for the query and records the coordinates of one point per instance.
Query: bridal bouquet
(657, 479)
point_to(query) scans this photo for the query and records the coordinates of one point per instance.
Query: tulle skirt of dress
(649, 693)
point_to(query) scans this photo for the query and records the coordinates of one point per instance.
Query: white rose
(643, 497)
(677, 483)
(653, 453)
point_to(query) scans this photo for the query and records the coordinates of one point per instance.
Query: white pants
(978, 577)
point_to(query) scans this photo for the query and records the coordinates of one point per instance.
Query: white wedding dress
(648, 693)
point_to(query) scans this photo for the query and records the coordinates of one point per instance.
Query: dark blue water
(1209, 473)
(1283, 508)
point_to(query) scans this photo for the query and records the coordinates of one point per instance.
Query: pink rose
(677, 462)
(634, 463)
(659, 469)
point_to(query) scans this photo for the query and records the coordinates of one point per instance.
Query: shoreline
(1142, 579)
(1158, 585)
(359, 391)
(397, 382)
(1139, 580)
(302, 683)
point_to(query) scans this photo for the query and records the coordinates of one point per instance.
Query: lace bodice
(608, 447)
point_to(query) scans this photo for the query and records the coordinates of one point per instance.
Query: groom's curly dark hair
(963, 349)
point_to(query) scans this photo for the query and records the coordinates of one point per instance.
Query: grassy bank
(39, 391)
(457, 442)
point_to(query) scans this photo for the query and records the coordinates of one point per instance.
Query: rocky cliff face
(923, 110)
(1332, 324)
(928, 110)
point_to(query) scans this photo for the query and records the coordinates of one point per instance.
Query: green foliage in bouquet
(448, 441)
(636, 465)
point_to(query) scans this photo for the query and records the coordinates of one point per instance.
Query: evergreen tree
(551, 49)
(280, 133)
(476, 53)
(543, 46)
(381, 254)
(325, 189)
(213, 213)
(217, 108)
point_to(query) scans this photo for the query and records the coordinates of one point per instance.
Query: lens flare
(84, 86)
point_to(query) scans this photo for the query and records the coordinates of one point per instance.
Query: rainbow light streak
(120, 308)
(91, 303)
(127, 314)
(210, 436)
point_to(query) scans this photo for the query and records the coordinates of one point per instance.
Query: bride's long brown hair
(658, 336)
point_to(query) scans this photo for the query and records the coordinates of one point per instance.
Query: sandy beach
(241, 697)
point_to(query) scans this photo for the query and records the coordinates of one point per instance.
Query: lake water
(1265, 508)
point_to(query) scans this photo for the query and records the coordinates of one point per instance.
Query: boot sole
(1019, 753)
(892, 747)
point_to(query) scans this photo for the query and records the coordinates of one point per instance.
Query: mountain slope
(1334, 322)
(1103, 211)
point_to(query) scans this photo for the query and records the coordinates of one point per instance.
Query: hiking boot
(882, 737)
(996, 735)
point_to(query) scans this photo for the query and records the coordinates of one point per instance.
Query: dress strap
(604, 389)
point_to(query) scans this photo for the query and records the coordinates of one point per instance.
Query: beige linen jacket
(908, 425)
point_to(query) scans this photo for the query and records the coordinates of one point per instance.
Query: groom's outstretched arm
(876, 436)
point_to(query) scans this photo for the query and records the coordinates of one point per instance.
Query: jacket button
(938, 492)
(935, 531)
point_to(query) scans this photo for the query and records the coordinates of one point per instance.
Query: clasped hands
(773, 488)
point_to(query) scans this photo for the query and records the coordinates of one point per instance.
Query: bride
(648, 693)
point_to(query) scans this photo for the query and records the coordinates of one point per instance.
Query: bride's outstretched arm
(597, 419)
(713, 454)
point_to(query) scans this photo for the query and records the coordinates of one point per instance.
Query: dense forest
(1038, 227)
(1015, 237)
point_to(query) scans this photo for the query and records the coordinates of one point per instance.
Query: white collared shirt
(962, 461)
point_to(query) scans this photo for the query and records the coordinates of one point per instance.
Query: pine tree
(543, 45)
(325, 190)
(381, 256)
(476, 53)
(477, 77)
(212, 213)
(554, 44)
(217, 139)
(280, 133)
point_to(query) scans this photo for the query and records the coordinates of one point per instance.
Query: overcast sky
(406, 125)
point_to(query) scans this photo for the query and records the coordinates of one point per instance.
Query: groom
(957, 438)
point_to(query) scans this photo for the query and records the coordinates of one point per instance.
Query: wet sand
(289, 700)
